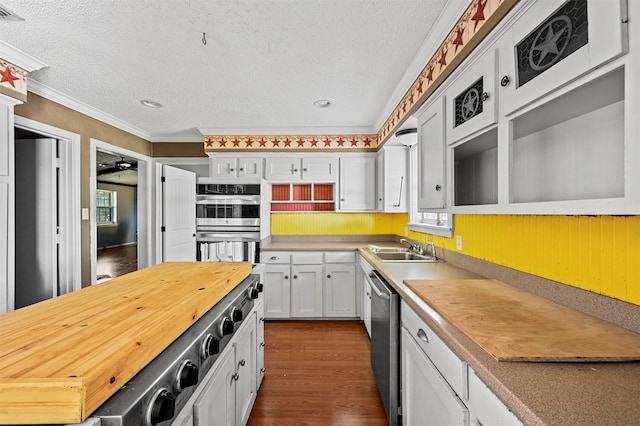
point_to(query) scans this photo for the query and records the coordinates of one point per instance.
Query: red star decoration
(479, 15)
(354, 142)
(430, 73)
(340, 142)
(420, 81)
(249, 143)
(314, 142)
(262, 143)
(287, 142)
(7, 77)
(275, 142)
(458, 40)
(209, 143)
(367, 142)
(236, 143)
(443, 59)
(327, 142)
(223, 143)
(300, 142)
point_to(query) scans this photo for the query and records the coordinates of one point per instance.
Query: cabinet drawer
(452, 368)
(275, 257)
(340, 257)
(306, 258)
(485, 406)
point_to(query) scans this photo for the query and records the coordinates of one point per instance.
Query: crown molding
(19, 58)
(56, 96)
(261, 131)
(445, 22)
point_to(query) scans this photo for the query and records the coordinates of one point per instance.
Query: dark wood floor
(116, 261)
(317, 373)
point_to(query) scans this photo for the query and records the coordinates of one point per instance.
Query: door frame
(144, 200)
(69, 253)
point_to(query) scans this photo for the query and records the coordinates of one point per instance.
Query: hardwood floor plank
(317, 373)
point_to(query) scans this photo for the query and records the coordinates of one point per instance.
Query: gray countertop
(539, 393)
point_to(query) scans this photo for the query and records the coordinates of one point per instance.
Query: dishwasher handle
(381, 288)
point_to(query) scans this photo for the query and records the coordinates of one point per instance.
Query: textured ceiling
(263, 65)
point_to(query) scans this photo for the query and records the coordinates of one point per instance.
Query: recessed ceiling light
(151, 104)
(322, 103)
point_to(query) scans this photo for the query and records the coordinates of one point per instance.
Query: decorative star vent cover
(468, 104)
(559, 36)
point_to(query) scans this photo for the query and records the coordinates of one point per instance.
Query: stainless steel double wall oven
(227, 221)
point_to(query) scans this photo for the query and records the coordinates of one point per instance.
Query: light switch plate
(459, 242)
(85, 213)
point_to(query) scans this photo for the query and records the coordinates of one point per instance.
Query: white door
(179, 215)
(36, 221)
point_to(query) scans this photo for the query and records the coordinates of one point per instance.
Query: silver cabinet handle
(422, 335)
(274, 258)
(242, 362)
(235, 377)
(262, 319)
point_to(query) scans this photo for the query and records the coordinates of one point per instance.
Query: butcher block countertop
(538, 393)
(62, 358)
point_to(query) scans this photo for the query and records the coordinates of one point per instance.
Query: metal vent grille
(8, 15)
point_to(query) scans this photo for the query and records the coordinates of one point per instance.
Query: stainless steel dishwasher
(385, 344)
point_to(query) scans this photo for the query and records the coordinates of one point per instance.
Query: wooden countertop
(62, 358)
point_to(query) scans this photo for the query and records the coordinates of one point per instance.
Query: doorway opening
(116, 215)
(119, 211)
(47, 213)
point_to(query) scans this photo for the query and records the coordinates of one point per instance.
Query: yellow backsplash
(596, 253)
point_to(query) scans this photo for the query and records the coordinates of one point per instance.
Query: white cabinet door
(553, 43)
(282, 169)
(319, 169)
(427, 399)
(472, 99)
(485, 407)
(217, 403)
(366, 302)
(339, 290)
(245, 348)
(306, 291)
(249, 168)
(391, 179)
(223, 167)
(277, 291)
(431, 157)
(357, 183)
(230, 169)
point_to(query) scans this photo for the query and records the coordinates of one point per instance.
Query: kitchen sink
(399, 254)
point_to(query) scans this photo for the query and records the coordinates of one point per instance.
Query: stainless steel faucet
(433, 249)
(404, 240)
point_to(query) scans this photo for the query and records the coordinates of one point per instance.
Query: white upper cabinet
(357, 183)
(431, 156)
(555, 42)
(391, 179)
(236, 168)
(472, 98)
(295, 169)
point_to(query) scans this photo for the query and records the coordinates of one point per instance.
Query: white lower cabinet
(307, 284)
(306, 291)
(364, 269)
(438, 388)
(340, 290)
(260, 343)
(485, 407)
(427, 398)
(228, 391)
(216, 404)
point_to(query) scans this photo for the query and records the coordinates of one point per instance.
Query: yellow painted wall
(596, 253)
